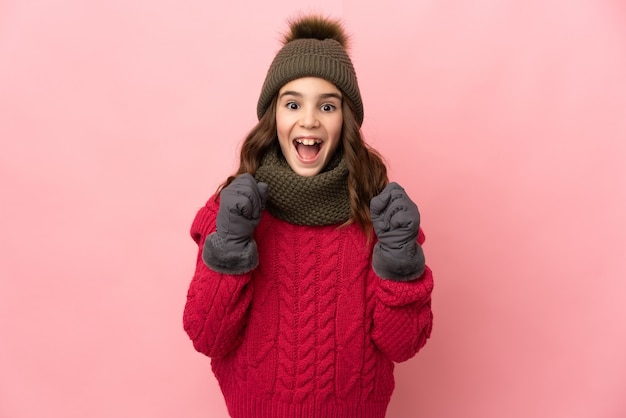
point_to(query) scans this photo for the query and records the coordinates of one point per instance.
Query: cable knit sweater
(312, 332)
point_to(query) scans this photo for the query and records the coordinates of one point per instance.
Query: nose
(308, 119)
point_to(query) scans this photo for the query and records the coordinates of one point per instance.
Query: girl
(310, 279)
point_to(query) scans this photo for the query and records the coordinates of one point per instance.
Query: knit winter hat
(314, 47)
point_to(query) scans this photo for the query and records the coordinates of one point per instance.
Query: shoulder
(204, 221)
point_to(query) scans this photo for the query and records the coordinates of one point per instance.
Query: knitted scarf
(319, 200)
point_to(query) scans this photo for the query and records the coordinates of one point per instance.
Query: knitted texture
(312, 331)
(326, 59)
(319, 200)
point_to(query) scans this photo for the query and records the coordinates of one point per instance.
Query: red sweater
(312, 331)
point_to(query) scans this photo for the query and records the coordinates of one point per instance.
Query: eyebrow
(321, 96)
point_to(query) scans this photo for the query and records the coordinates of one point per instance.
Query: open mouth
(308, 148)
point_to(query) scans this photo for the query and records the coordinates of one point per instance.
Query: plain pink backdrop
(505, 120)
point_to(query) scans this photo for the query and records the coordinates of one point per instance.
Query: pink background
(505, 120)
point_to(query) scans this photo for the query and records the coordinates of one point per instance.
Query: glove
(397, 254)
(231, 248)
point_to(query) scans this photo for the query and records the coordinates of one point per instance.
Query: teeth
(307, 141)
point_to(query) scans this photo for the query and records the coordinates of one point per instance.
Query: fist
(231, 249)
(241, 205)
(395, 217)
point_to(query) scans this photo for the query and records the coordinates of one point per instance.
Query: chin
(307, 172)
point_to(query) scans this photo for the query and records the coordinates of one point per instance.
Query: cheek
(335, 128)
(282, 123)
(282, 132)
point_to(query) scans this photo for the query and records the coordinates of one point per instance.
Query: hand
(241, 204)
(395, 217)
(231, 248)
(396, 221)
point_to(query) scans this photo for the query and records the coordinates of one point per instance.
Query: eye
(292, 106)
(327, 107)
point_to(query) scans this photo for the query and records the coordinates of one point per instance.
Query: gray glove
(396, 220)
(231, 248)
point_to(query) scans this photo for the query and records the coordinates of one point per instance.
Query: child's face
(308, 122)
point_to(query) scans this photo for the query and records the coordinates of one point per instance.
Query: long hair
(367, 172)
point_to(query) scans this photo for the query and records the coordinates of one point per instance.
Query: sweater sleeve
(402, 315)
(217, 304)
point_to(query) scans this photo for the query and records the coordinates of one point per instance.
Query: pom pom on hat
(314, 46)
(316, 27)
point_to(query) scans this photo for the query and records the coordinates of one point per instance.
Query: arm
(220, 291)
(402, 313)
(402, 316)
(217, 304)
